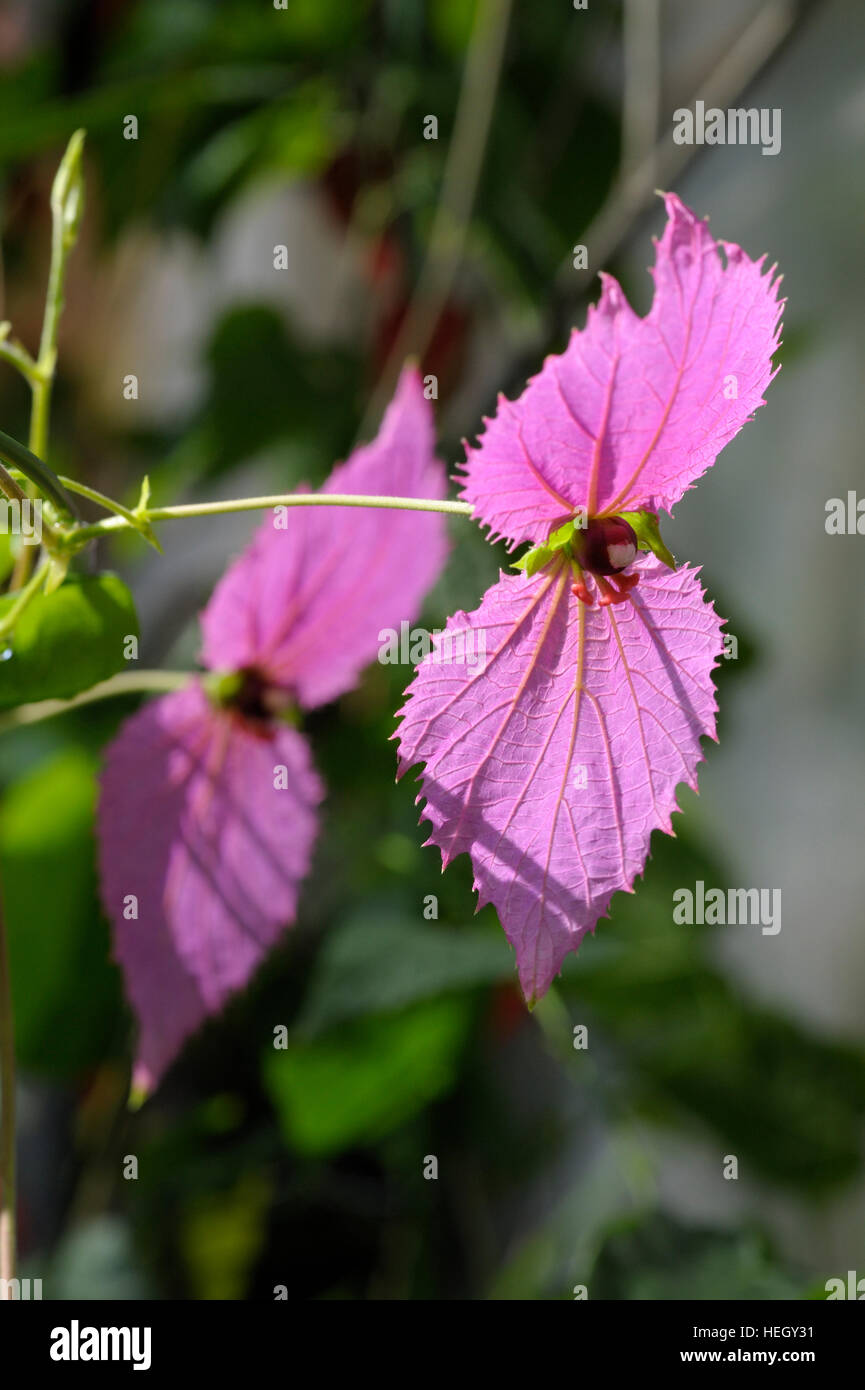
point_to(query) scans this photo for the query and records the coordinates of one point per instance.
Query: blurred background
(304, 1169)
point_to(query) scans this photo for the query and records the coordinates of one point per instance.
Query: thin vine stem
(81, 534)
(125, 683)
(67, 196)
(30, 590)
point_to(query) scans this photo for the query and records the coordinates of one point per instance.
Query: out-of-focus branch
(459, 186)
(642, 82)
(665, 161)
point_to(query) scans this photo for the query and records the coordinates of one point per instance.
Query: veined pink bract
(208, 816)
(552, 766)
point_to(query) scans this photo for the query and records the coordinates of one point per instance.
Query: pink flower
(553, 764)
(208, 815)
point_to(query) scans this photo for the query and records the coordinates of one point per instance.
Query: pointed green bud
(67, 192)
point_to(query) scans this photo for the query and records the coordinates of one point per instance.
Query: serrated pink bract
(552, 766)
(208, 816)
(634, 410)
(305, 604)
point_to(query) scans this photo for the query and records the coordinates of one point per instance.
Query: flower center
(605, 546)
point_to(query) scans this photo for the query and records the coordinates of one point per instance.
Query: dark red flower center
(605, 546)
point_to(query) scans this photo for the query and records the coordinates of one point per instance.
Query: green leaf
(657, 1258)
(374, 966)
(19, 457)
(66, 992)
(646, 527)
(66, 641)
(360, 1081)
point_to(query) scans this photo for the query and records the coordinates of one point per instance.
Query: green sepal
(222, 687)
(540, 555)
(646, 529)
(534, 559)
(140, 516)
(562, 537)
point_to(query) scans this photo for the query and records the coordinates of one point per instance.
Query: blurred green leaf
(67, 640)
(451, 22)
(362, 1080)
(221, 1236)
(265, 386)
(377, 966)
(659, 1258)
(788, 1102)
(66, 992)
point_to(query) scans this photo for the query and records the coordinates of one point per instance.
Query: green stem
(126, 683)
(16, 355)
(66, 201)
(7, 1117)
(10, 488)
(29, 592)
(81, 534)
(100, 498)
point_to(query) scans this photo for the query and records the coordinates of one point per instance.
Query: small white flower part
(621, 553)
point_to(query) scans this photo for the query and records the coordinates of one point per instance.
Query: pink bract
(634, 410)
(208, 816)
(305, 604)
(552, 765)
(208, 852)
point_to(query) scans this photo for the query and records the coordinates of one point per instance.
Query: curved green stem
(30, 590)
(126, 683)
(67, 197)
(78, 536)
(16, 354)
(9, 487)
